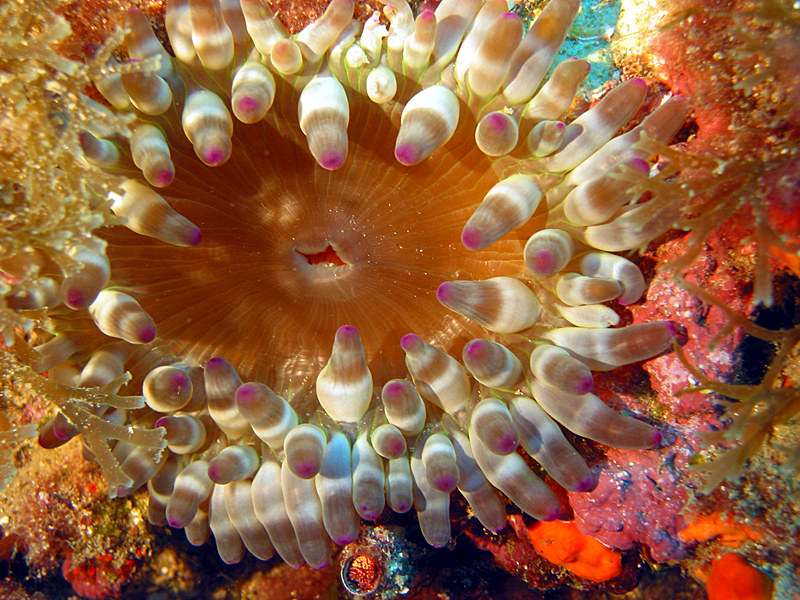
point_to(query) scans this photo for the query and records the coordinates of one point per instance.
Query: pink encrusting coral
(373, 182)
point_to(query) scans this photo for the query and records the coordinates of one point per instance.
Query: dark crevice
(754, 355)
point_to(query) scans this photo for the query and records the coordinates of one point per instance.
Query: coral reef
(75, 280)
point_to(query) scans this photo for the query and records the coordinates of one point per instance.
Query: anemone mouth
(291, 251)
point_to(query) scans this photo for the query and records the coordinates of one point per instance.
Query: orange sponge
(728, 532)
(732, 578)
(564, 545)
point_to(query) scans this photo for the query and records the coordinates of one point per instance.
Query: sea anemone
(339, 213)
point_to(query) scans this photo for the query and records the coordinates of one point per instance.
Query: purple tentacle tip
(445, 292)
(75, 298)
(585, 385)
(472, 238)
(587, 484)
(411, 342)
(215, 363)
(247, 104)
(305, 470)
(331, 161)
(544, 261)
(657, 437)
(476, 349)
(348, 330)
(164, 178)
(214, 156)
(195, 237)
(508, 443)
(497, 121)
(407, 154)
(147, 334)
(245, 393)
